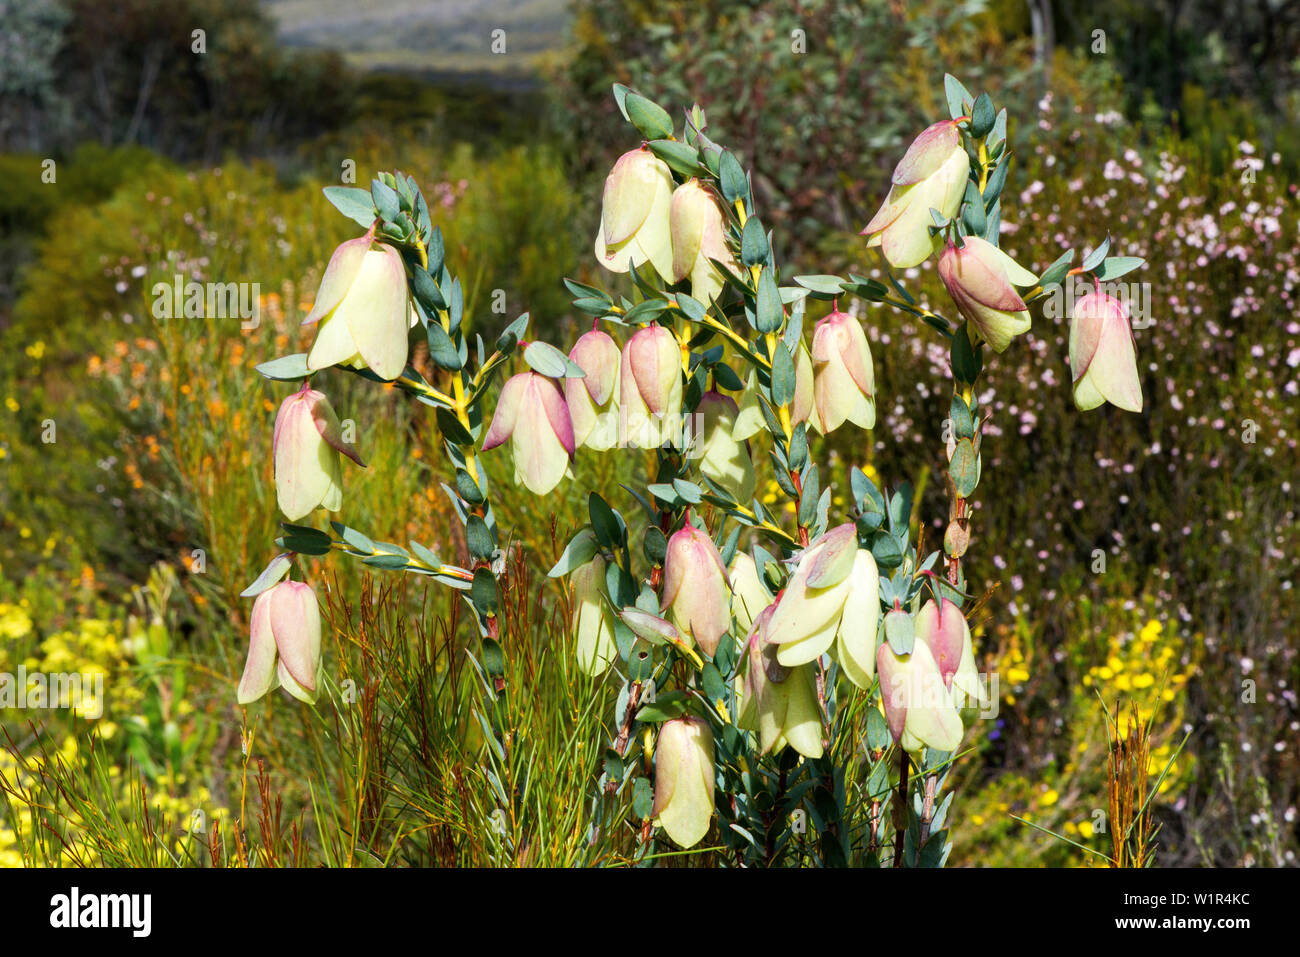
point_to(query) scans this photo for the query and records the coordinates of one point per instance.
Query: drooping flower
(284, 644)
(1103, 358)
(593, 621)
(779, 703)
(634, 215)
(844, 381)
(723, 458)
(831, 604)
(696, 587)
(931, 175)
(981, 279)
(305, 447)
(532, 414)
(699, 235)
(749, 596)
(683, 804)
(364, 310)
(651, 389)
(919, 708)
(943, 628)
(593, 400)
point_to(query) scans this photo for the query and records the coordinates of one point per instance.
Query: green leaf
(900, 632)
(605, 522)
(783, 375)
(479, 539)
(546, 360)
(808, 500)
(286, 368)
(581, 549)
(353, 538)
(966, 361)
(655, 545)
(959, 98)
(982, 116)
(665, 707)
(1115, 266)
(768, 311)
(964, 467)
(824, 287)
(386, 561)
(886, 551)
(731, 178)
(963, 423)
(507, 341)
(442, 350)
(684, 159)
(353, 202)
(1057, 270)
(275, 570)
(386, 200)
(483, 592)
(453, 430)
(688, 492)
(651, 119)
(753, 243)
(643, 798)
(1096, 257)
(972, 215)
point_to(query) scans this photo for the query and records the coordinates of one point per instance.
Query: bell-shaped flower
(919, 708)
(779, 703)
(699, 235)
(943, 628)
(1103, 358)
(749, 596)
(532, 414)
(593, 621)
(651, 389)
(363, 308)
(931, 175)
(634, 215)
(803, 408)
(831, 604)
(684, 777)
(284, 644)
(305, 447)
(982, 281)
(723, 459)
(844, 379)
(696, 588)
(593, 400)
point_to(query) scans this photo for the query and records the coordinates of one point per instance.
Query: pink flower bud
(844, 382)
(1103, 358)
(698, 235)
(918, 706)
(981, 279)
(931, 175)
(532, 414)
(696, 588)
(306, 446)
(684, 779)
(363, 307)
(284, 644)
(943, 628)
(593, 401)
(651, 389)
(779, 703)
(634, 215)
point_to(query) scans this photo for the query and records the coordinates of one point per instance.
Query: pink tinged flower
(684, 778)
(931, 175)
(305, 447)
(943, 628)
(284, 644)
(723, 459)
(593, 401)
(364, 310)
(779, 703)
(844, 382)
(981, 279)
(532, 414)
(699, 235)
(749, 596)
(634, 215)
(696, 588)
(1103, 358)
(651, 389)
(831, 605)
(593, 621)
(918, 705)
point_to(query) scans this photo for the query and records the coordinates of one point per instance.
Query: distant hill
(440, 37)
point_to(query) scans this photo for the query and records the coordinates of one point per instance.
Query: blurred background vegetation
(125, 541)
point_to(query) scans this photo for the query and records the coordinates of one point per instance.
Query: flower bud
(684, 779)
(593, 401)
(532, 414)
(918, 706)
(305, 447)
(931, 175)
(363, 308)
(844, 383)
(723, 459)
(831, 604)
(696, 588)
(593, 622)
(749, 596)
(981, 280)
(1103, 358)
(284, 644)
(698, 235)
(779, 703)
(634, 215)
(944, 629)
(650, 389)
